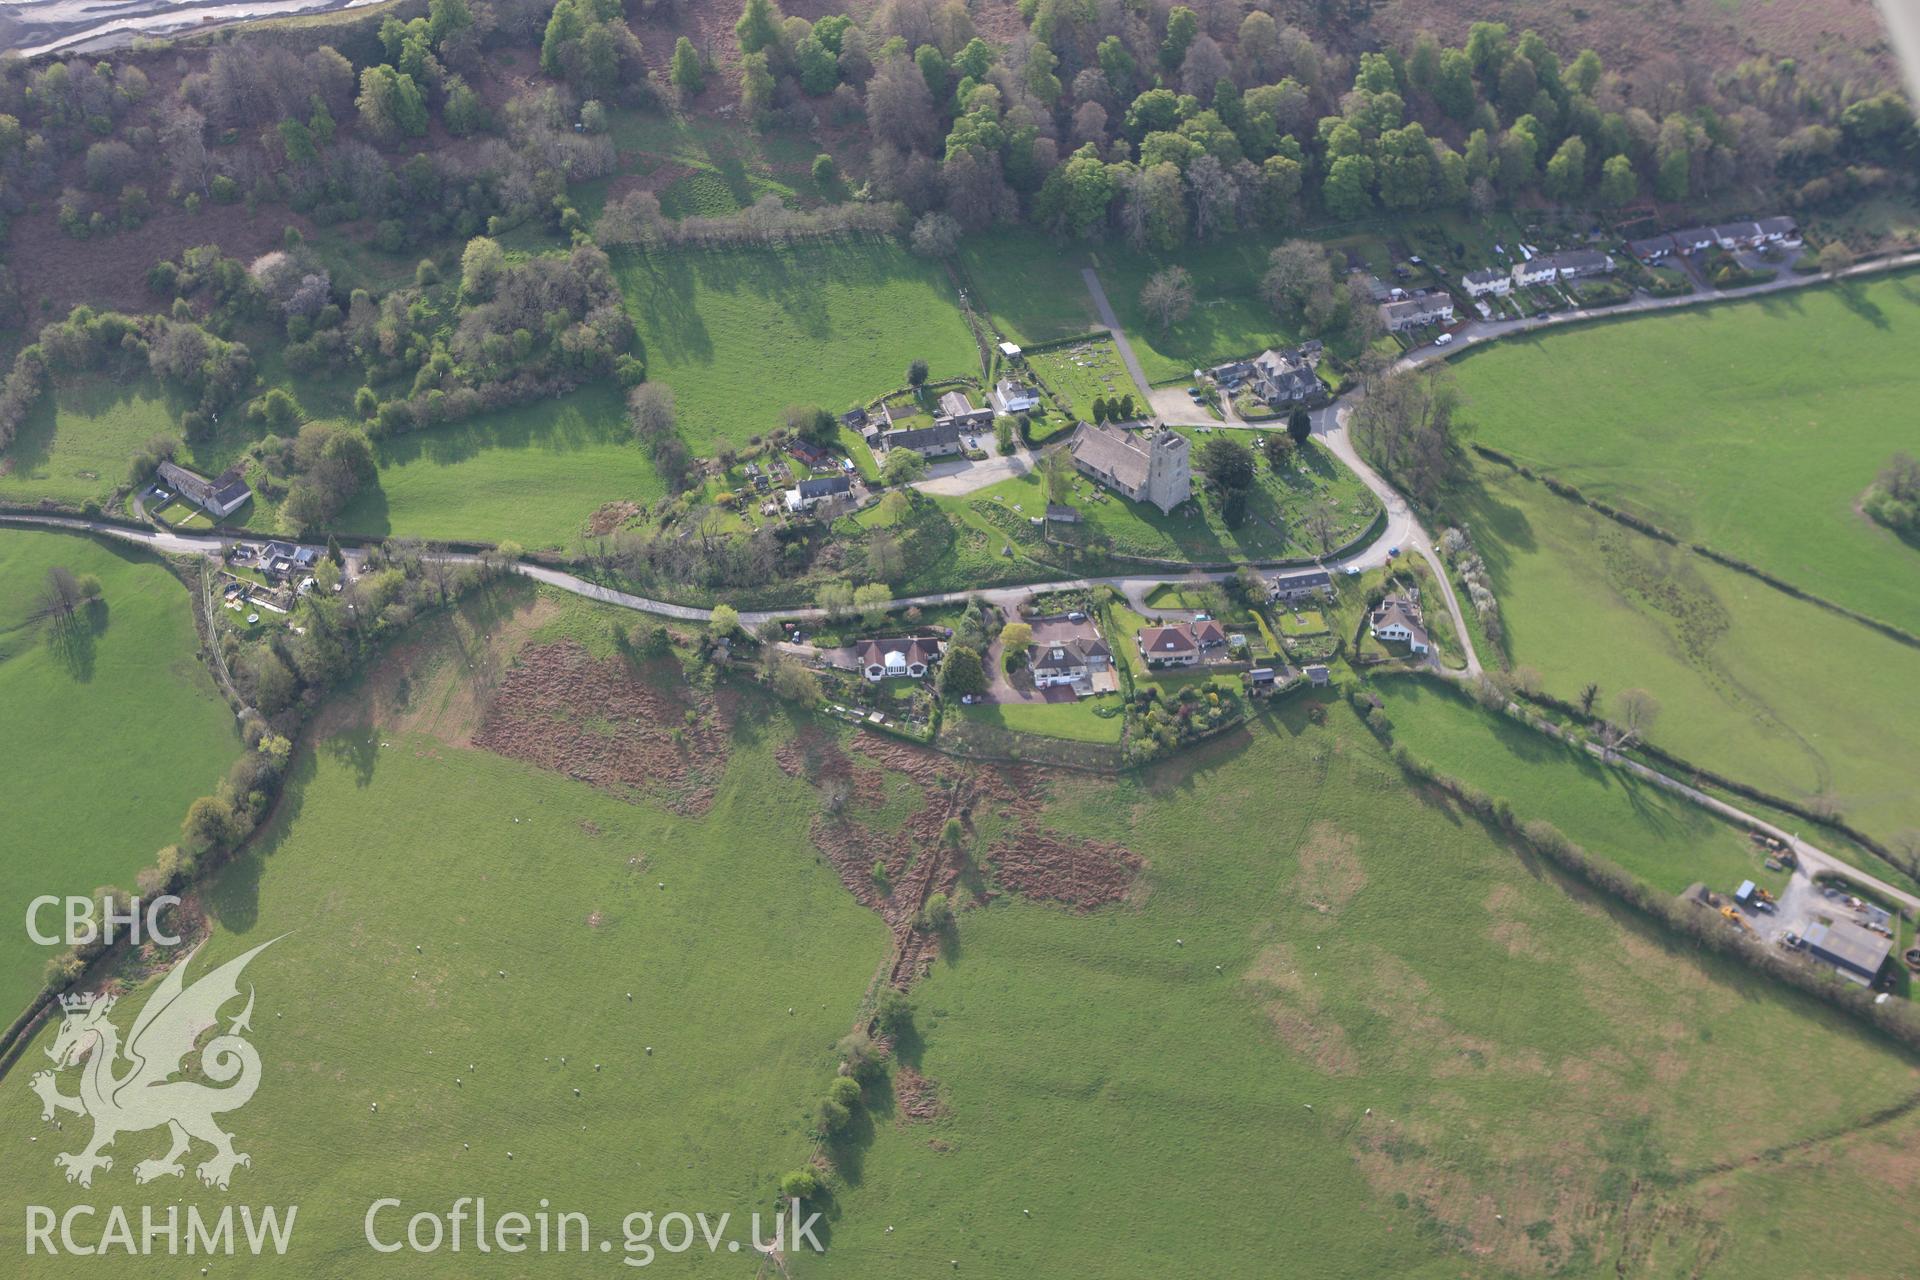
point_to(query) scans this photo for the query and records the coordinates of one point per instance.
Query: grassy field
(740, 334)
(530, 474)
(1410, 1031)
(1752, 427)
(744, 956)
(1777, 693)
(1028, 286)
(1335, 1028)
(75, 445)
(107, 732)
(1664, 840)
(1074, 721)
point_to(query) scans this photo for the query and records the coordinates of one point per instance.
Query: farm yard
(117, 694)
(1775, 692)
(739, 334)
(1751, 427)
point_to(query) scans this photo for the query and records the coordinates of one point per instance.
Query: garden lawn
(739, 334)
(1751, 427)
(1774, 692)
(1664, 840)
(531, 474)
(1074, 721)
(108, 731)
(458, 934)
(1335, 1028)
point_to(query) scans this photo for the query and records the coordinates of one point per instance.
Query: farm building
(1145, 466)
(1856, 953)
(218, 498)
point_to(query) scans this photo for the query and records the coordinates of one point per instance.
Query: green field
(108, 731)
(1774, 692)
(405, 874)
(531, 474)
(1410, 1031)
(1659, 837)
(1752, 427)
(1028, 286)
(1335, 1027)
(75, 445)
(739, 334)
(1074, 721)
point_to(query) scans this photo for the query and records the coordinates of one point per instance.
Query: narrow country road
(1401, 530)
(1475, 332)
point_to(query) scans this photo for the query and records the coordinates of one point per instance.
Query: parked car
(1353, 571)
(1443, 340)
(1392, 552)
(1076, 616)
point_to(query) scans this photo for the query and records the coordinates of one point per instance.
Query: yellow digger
(1735, 916)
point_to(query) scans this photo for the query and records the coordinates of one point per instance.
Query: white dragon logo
(145, 1096)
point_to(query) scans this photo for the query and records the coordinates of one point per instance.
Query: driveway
(956, 480)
